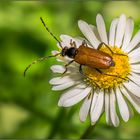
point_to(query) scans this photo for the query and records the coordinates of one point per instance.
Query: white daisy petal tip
(62, 36)
(123, 107)
(120, 30)
(123, 15)
(57, 69)
(63, 86)
(93, 123)
(88, 33)
(84, 110)
(50, 82)
(65, 38)
(128, 33)
(97, 110)
(60, 103)
(101, 28)
(81, 118)
(54, 88)
(117, 124)
(54, 52)
(80, 21)
(99, 15)
(99, 18)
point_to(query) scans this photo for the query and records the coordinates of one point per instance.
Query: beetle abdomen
(93, 58)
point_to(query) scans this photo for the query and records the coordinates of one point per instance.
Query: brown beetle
(83, 55)
(89, 56)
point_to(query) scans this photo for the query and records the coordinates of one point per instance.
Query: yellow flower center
(113, 76)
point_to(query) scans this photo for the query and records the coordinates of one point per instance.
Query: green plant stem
(88, 132)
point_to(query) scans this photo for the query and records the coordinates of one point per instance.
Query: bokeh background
(28, 106)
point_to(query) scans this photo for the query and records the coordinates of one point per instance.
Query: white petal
(78, 41)
(93, 102)
(112, 32)
(88, 33)
(133, 88)
(134, 42)
(107, 108)
(63, 59)
(131, 98)
(60, 80)
(101, 28)
(131, 112)
(64, 86)
(137, 99)
(94, 29)
(136, 68)
(96, 112)
(84, 110)
(58, 68)
(134, 56)
(74, 69)
(55, 52)
(128, 33)
(135, 78)
(75, 99)
(123, 107)
(120, 30)
(71, 92)
(135, 52)
(59, 59)
(113, 114)
(66, 40)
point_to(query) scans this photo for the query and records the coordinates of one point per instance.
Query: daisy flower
(119, 91)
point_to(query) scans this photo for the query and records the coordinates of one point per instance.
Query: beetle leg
(109, 74)
(81, 72)
(112, 51)
(101, 45)
(67, 66)
(84, 43)
(73, 44)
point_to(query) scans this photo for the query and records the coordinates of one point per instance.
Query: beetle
(83, 55)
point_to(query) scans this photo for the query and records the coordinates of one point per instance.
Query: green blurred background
(28, 107)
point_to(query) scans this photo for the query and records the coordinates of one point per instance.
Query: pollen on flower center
(120, 71)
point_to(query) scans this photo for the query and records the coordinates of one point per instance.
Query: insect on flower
(83, 55)
(101, 69)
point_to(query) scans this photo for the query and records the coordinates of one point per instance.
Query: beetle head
(70, 52)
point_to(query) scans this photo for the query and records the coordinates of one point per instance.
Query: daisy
(112, 92)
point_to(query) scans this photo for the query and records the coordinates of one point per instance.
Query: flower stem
(88, 132)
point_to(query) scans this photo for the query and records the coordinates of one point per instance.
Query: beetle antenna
(39, 60)
(50, 32)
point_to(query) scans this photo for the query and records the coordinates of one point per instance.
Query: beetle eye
(64, 51)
